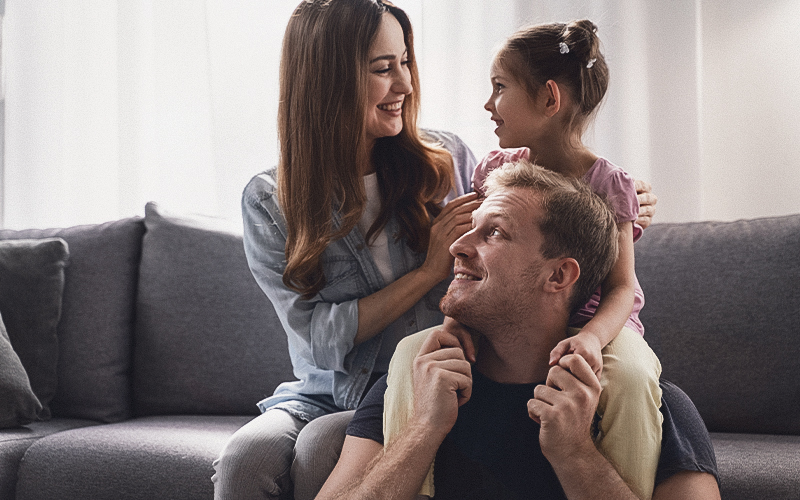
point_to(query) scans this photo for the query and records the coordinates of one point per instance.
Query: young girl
(547, 83)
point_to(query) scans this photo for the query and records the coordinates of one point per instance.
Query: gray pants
(277, 456)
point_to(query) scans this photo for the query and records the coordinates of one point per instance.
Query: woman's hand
(647, 203)
(454, 220)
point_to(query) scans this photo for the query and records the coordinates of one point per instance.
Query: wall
(113, 104)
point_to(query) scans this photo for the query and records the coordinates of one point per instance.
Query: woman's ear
(564, 275)
(553, 94)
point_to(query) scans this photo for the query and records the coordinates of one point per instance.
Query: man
(492, 431)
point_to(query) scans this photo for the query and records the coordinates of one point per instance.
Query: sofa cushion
(19, 404)
(758, 466)
(96, 326)
(207, 338)
(15, 442)
(148, 458)
(722, 314)
(31, 286)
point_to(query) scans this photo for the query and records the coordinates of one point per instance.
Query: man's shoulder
(403, 357)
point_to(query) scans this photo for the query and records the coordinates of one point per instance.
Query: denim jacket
(332, 371)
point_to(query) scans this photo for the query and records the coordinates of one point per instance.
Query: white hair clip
(591, 63)
(563, 47)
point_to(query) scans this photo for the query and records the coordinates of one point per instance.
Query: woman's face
(389, 80)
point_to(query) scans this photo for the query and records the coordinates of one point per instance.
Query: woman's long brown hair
(321, 128)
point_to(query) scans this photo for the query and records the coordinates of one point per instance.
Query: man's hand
(585, 344)
(463, 335)
(442, 382)
(647, 203)
(565, 408)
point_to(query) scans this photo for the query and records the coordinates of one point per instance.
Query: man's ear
(553, 94)
(565, 273)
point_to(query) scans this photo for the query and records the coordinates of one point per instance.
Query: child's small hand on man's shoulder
(586, 344)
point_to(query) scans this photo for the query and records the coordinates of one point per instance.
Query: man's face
(499, 267)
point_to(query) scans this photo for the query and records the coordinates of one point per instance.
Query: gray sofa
(165, 343)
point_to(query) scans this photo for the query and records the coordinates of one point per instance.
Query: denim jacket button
(364, 371)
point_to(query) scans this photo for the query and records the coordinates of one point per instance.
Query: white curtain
(110, 104)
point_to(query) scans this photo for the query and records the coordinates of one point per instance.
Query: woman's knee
(316, 452)
(259, 454)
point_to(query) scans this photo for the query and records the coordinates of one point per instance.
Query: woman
(349, 238)
(340, 237)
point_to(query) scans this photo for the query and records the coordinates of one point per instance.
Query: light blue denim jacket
(332, 371)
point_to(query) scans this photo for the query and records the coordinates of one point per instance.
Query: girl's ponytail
(592, 75)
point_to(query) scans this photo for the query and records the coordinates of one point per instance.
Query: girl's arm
(615, 307)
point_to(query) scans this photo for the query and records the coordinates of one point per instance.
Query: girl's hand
(586, 344)
(647, 203)
(454, 220)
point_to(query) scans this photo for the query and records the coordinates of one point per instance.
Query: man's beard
(470, 311)
(484, 310)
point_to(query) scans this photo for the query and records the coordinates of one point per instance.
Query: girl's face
(513, 110)
(389, 80)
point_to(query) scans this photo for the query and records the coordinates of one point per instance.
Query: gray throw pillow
(31, 285)
(207, 338)
(19, 405)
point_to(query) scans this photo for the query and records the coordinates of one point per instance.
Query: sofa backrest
(96, 326)
(722, 312)
(207, 339)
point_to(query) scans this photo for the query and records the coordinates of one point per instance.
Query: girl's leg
(316, 452)
(630, 425)
(257, 459)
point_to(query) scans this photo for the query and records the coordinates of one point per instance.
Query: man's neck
(521, 356)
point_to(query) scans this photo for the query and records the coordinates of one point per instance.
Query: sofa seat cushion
(15, 442)
(758, 466)
(147, 458)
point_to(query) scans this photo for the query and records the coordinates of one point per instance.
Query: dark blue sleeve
(685, 442)
(368, 419)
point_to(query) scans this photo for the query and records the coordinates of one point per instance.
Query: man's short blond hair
(577, 222)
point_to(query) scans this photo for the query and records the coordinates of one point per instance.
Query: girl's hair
(568, 54)
(321, 127)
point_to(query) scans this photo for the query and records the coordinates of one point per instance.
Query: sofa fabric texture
(153, 457)
(31, 286)
(722, 314)
(95, 332)
(15, 442)
(20, 405)
(166, 344)
(205, 338)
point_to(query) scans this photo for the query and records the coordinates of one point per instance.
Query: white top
(379, 248)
